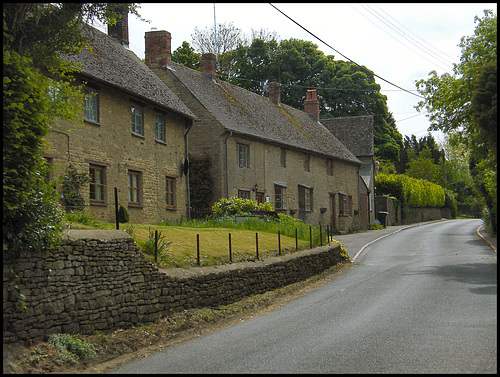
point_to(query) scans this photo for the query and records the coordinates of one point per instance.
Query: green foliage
(298, 65)
(71, 348)
(238, 206)
(450, 202)
(200, 182)
(375, 225)
(410, 192)
(72, 182)
(82, 217)
(37, 87)
(148, 246)
(123, 216)
(463, 105)
(186, 56)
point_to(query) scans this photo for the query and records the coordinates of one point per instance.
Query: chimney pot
(208, 64)
(119, 30)
(158, 48)
(274, 91)
(311, 104)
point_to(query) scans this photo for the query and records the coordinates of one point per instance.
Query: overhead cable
(345, 57)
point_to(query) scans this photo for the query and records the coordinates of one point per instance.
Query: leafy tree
(186, 56)
(37, 88)
(463, 105)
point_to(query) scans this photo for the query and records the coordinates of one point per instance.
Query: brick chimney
(208, 64)
(311, 104)
(119, 31)
(158, 46)
(274, 91)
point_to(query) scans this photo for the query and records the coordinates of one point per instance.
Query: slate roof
(111, 63)
(356, 133)
(246, 113)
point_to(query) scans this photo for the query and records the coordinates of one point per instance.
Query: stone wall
(99, 280)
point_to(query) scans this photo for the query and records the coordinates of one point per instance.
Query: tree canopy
(37, 84)
(343, 88)
(463, 105)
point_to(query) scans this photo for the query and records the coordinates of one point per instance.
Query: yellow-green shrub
(410, 192)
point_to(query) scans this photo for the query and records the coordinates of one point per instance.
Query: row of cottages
(261, 149)
(143, 121)
(133, 136)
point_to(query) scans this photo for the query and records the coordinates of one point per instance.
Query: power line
(431, 46)
(345, 57)
(400, 33)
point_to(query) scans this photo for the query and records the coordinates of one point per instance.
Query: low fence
(328, 234)
(99, 280)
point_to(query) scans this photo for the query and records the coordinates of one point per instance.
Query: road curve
(422, 300)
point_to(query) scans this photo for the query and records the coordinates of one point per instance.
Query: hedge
(410, 192)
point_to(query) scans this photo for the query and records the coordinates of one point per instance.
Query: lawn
(214, 243)
(178, 246)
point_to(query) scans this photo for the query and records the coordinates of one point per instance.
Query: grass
(178, 242)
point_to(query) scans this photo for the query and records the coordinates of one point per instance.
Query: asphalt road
(420, 300)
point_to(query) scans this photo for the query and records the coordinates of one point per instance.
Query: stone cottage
(133, 136)
(259, 148)
(356, 133)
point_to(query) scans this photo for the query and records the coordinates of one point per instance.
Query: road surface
(421, 300)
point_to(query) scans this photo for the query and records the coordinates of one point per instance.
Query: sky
(401, 43)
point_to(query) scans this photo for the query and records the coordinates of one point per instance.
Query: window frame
(137, 129)
(94, 184)
(133, 188)
(243, 194)
(243, 155)
(345, 204)
(305, 198)
(160, 127)
(91, 93)
(281, 194)
(170, 192)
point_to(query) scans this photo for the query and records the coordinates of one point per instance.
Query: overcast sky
(399, 42)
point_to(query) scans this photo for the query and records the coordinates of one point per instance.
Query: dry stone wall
(99, 280)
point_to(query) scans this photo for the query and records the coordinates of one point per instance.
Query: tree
(186, 56)
(37, 88)
(344, 88)
(463, 105)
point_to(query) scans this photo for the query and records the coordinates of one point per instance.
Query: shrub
(410, 192)
(237, 206)
(71, 348)
(123, 216)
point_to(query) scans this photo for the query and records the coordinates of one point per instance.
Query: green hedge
(410, 192)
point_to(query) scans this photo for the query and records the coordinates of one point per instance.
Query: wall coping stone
(104, 235)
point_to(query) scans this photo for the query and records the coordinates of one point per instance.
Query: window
(329, 167)
(170, 192)
(305, 198)
(91, 105)
(243, 194)
(159, 127)
(97, 183)
(137, 120)
(280, 197)
(134, 187)
(243, 155)
(307, 158)
(283, 158)
(345, 205)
